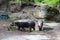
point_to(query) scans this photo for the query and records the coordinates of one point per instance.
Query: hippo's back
(25, 23)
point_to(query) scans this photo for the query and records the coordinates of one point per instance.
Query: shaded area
(47, 28)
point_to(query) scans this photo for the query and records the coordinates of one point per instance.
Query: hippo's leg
(33, 28)
(18, 27)
(30, 29)
(40, 28)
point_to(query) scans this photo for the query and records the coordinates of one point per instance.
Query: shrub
(11, 28)
(12, 18)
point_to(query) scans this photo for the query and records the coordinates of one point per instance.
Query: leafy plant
(11, 28)
(12, 18)
(49, 2)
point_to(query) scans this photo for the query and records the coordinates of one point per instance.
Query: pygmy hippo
(40, 24)
(24, 23)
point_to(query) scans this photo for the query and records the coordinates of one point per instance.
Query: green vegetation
(6, 1)
(12, 18)
(18, 1)
(50, 1)
(38, 1)
(11, 28)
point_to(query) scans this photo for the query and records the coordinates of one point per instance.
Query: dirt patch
(4, 23)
